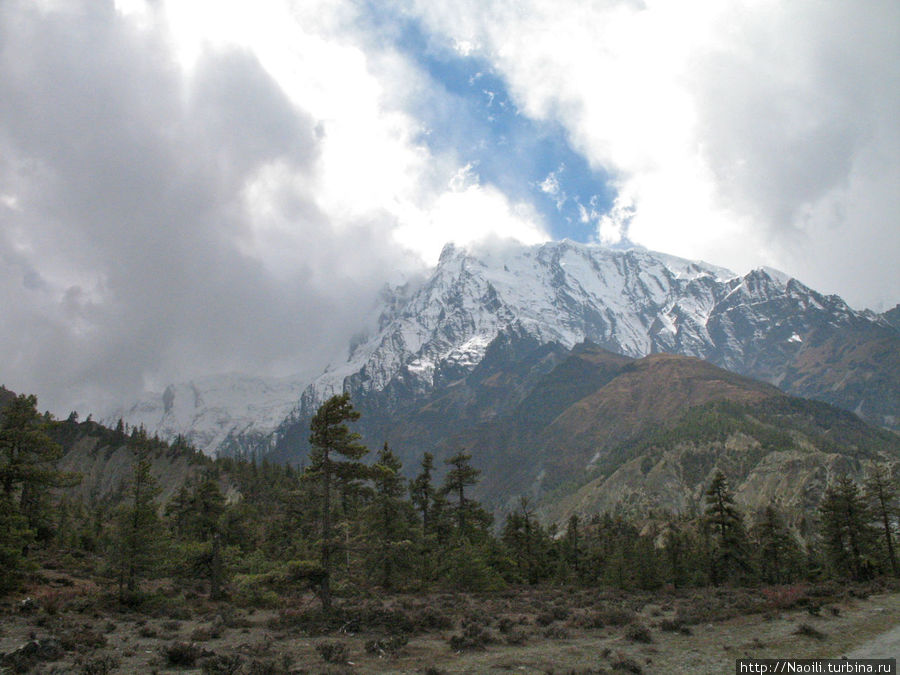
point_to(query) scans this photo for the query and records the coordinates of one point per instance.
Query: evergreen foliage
(341, 526)
(777, 553)
(847, 533)
(136, 547)
(724, 525)
(880, 492)
(335, 472)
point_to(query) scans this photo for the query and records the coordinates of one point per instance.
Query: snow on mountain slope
(633, 302)
(212, 411)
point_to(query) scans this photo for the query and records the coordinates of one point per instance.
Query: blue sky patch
(472, 115)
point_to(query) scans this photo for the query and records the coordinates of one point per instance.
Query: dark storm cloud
(128, 248)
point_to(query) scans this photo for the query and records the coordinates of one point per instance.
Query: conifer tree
(14, 538)
(470, 517)
(847, 534)
(331, 441)
(422, 493)
(28, 459)
(137, 540)
(725, 526)
(572, 548)
(195, 514)
(528, 543)
(777, 552)
(881, 494)
(390, 520)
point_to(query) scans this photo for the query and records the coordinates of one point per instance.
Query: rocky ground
(66, 625)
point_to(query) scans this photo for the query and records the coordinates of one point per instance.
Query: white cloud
(192, 188)
(743, 133)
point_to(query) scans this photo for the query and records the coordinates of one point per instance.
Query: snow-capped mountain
(634, 302)
(628, 301)
(218, 413)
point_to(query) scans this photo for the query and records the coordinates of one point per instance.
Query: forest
(349, 525)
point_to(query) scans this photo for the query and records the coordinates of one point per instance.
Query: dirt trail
(884, 646)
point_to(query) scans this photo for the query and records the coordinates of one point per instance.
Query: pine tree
(880, 491)
(846, 531)
(332, 440)
(390, 522)
(528, 543)
(725, 526)
(137, 539)
(14, 538)
(195, 514)
(471, 519)
(777, 552)
(422, 492)
(572, 550)
(28, 459)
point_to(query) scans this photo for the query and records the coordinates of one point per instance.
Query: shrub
(430, 619)
(627, 666)
(590, 619)
(388, 646)
(547, 617)
(333, 652)
(674, 626)
(616, 616)
(181, 654)
(555, 633)
(270, 666)
(102, 665)
(808, 631)
(222, 665)
(473, 636)
(638, 633)
(82, 640)
(784, 597)
(516, 637)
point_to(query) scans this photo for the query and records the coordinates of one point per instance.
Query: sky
(192, 187)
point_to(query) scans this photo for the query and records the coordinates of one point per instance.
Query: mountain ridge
(764, 324)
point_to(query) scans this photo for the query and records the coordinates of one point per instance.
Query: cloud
(743, 133)
(186, 194)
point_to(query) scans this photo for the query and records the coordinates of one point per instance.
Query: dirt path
(884, 646)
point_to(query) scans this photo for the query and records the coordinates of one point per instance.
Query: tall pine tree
(334, 461)
(847, 534)
(137, 538)
(728, 555)
(880, 491)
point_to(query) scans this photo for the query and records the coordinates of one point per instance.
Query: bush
(102, 665)
(333, 652)
(627, 666)
(554, 614)
(388, 646)
(591, 619)
(516, 637)
(555, 633)
(182, 654)
(474, 636)
(82, 640)
(430, 619)
(808, 631)
(222, 665)
(638, 633)
(270, 666)
(615, 616)
(674, 626)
